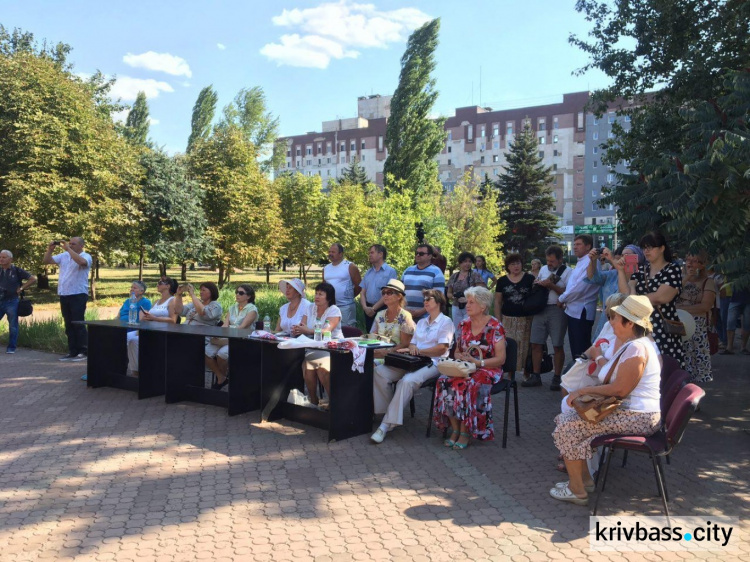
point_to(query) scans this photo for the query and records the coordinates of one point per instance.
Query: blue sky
(312, 58)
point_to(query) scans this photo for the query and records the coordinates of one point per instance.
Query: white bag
(578, 376)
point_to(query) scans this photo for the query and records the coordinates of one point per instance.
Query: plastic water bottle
(318, 331)
(326, 332)
(267, 323)
(132, 310)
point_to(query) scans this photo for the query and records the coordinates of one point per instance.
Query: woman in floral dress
(465, 403)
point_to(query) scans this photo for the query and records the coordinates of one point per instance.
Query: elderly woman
(487, 276)
(432, 338)
(203, 309)
(457, 284)
(137, 289)
(465, 403)
(291, 313)
(633, 374)
(395, 322)
(697, 297)
(536, 267)
(510, 292)
(242, 314)
(607, 280)
(324, 312)
(161, 311)
(661, 281)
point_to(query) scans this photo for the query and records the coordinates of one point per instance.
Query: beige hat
(297, 284)
(637, 309)
(396, 285)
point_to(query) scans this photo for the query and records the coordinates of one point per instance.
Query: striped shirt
(416, 280)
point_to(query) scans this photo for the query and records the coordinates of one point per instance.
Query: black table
(171, 361)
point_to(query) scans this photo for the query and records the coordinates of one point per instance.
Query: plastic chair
(669, 366)
(658, 445)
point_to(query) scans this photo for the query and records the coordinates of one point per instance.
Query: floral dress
(670, 274)
(697, 353)
(468, 399)
(392, 330)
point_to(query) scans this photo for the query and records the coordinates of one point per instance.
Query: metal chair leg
(603, 479)
(624, 458)
(505, 418)
(432, 411)
(412, 406)
(515, 401)
(660, 484)
(663, 477)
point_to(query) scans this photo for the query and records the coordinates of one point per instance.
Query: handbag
(547, 364)
(536, 300)
(578, 377)
(457, 368)
(672, 327)
(593, 408)
(406, 361)
(25, 308)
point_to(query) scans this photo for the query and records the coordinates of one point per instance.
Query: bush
(44, 335)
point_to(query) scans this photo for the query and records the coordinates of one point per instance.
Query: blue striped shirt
(416, 280)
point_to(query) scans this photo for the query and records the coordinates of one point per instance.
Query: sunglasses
(162, 282)
(240, 293)
(384, 293)
(427, 299)
(421, 253)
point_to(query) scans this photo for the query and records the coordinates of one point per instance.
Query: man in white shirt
(551, 322)
(579, 299)
(345, 278)
(73, 290)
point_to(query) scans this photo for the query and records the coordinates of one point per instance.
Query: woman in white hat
(291, 313)
(636, 377)
(395, 322)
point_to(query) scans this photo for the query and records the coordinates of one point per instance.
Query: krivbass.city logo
(627, 534)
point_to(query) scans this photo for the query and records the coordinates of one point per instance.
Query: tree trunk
(268, 274)
(283, 266)
(221, 275)
(42, 280)
(163, 269)
(95, 259)
(183, 273)
(96, 269)
(140, 264)
(300, 271)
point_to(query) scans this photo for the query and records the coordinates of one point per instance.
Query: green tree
(525, 198)
(395, 220)
(137, 124)
(203, 115)
(242, 209)
(412, 139)
(350, 219)
(354, 174)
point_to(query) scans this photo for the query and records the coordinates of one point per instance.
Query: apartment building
(477, 140)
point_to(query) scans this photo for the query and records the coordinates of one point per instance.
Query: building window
(594, 193)
(320, 147)
(580, 121)
(555, 153)
(554, 139)
(541, 154)
(470, 133)
(481, 160)
(450, 134)
(542, 140)
(288, 153)
(595, 164)
(450, 149)
(328, 148)
(594, 206)
(482, 147)
(380, 143)
(481, 131)
(494, 171)
(596, 150)
(596, 120)
(342, 148)
(343, 159)
(363, 145)
(308, 151)
(352, 146)
(594, 179)
(627, 119)
(297, 164)
(611, 118)
(288, 164)
(509, 128)
(579, 212)
(555, 123)
(328, 172)
(595, 135)
(542, 125)
(554, 167)
(610, 178)
(329, 160)
(554, 182)
(309, 162)
(363, 158)
(495, 158)
(495, 130)
(611, 134)
(449, 161)
(320, 161)
(554, 193)
(298, 151)
(495, 145)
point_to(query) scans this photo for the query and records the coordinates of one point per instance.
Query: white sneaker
(378, 436)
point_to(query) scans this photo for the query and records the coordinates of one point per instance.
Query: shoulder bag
(25, 308)
(406, 361)
(458, 369)
(672, 327)
(536, 301)
(593, 408)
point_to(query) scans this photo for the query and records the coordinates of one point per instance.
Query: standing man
(73, 290)
(422, 275)
(375, 279)
(13, 280)
(579, 298)
(552, 321)
(345, 278)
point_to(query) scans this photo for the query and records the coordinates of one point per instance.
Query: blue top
(143, 303)
(486, 275)
(415, 280)
(373, 281)
(607, 280)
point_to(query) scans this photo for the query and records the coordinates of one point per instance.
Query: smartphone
(631, 263)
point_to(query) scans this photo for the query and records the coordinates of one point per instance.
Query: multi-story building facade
(477, 140)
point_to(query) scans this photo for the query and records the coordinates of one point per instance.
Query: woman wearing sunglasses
(161, 311)
(395, 322)
(242, 314)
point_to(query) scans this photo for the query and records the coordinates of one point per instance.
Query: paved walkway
(98, 475)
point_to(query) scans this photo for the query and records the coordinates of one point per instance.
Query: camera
(458, 295)
(599, 251)
(553, 278)
(57, 242)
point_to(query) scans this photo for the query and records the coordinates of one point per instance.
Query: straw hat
(297, 284)
(637, 309)
(396, 285)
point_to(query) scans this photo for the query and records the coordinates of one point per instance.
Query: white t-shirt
(646, 396)
(544, 273)
(429, 334)
(74, 278)
(341, 279)
(286, 323)
(330, 312)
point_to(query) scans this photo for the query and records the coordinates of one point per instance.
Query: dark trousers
(579, 334)
(370, 320)
(73, 308)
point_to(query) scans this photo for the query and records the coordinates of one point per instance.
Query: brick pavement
(98, 475)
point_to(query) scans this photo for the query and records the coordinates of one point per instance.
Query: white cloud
(160, 62)
(334, 30)
(221, 46)
(152, 121)
(127, 88)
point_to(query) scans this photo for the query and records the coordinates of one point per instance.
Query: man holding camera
(13, 280)
(73, 290)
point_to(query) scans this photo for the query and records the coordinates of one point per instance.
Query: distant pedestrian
(73, 290)
(13, 280)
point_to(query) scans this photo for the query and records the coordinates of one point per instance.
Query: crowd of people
(642, 288)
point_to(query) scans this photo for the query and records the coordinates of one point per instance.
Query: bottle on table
(326, 332)
(132, 310)
(267, 323)
(318, 331)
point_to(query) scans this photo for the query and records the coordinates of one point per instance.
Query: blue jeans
(9, 308)
(723, 317)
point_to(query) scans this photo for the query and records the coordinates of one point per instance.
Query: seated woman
(161, 311)
(292, 312)
(242, 314)
(433, 337)
(636, 377)
(138, 288)
(465, 403)
(144, 305)
(318, 362)
(395, 322)
(204, 311)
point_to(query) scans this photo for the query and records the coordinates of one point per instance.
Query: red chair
(658, 445)
(669, 366)
(351, 332)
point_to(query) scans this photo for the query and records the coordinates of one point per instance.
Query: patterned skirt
(518, 328)
(573, 436)
(467, 399)
(697, 353)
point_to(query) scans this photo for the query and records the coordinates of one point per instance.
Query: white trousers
(132, 351)
(391, 402)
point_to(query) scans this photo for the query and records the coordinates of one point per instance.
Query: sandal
(452, 441)
(589, 489)
(561, 467)
(726, 352)
(565, 495)
(461, 446)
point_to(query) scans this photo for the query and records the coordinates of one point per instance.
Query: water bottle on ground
(318, 331)
(132, 310)
(267, 323)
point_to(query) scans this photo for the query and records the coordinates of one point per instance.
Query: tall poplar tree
(136, 125)
(203, 114)
(412, 139)
(525, 197)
